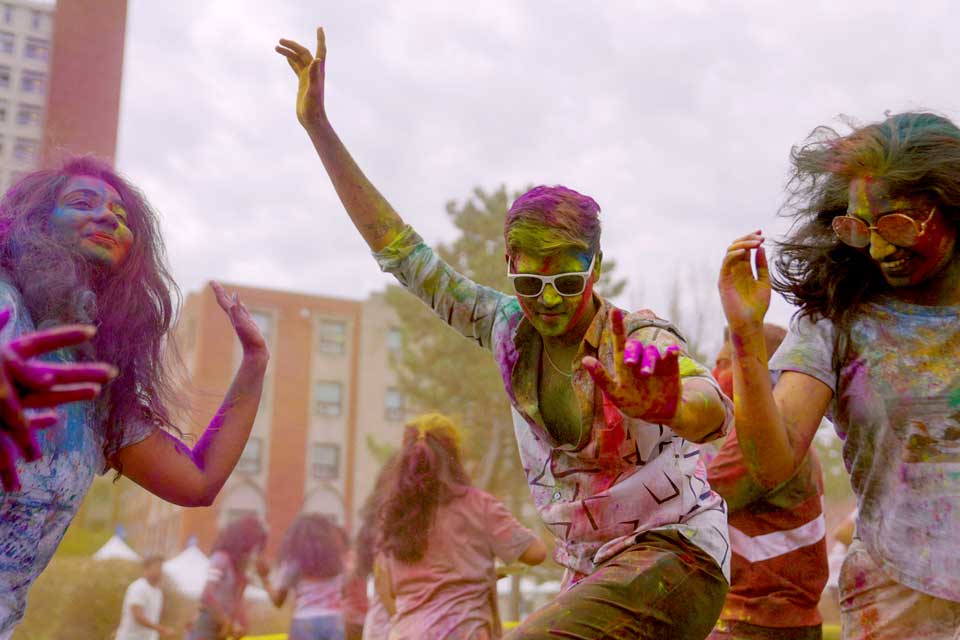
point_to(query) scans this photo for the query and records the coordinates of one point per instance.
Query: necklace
(552, 364)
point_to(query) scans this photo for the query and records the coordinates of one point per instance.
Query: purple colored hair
(546, 219)
(132, 304)
(315, 545)
(239, 539)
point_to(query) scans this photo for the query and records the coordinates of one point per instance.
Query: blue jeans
(319, 628)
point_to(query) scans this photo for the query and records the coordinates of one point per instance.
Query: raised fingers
(292, 59)
(302, 53)
(321, 44)
(619, 344)
(34, 343)
(599, 374)
(61, 395)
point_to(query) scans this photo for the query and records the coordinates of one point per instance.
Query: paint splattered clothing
(225, 586)
(896, 407)
(779, 565)
(626, 476)
(34, 520)
(448, 594)
(313, 597)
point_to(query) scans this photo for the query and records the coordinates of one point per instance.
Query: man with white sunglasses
(606, 405)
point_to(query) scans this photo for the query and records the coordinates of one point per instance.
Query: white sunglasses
(531, 285)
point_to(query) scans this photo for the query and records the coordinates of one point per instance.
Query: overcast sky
(677, 117)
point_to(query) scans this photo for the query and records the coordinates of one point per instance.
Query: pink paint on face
(90, 214)
(869, 200)
(550, 313)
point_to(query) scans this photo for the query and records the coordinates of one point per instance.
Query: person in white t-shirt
(143, 604)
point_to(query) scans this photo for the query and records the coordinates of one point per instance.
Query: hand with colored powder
(745, 298)
(645, 384)
(28, 383)
(311, 75)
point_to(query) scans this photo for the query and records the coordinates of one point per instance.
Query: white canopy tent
(116, 548)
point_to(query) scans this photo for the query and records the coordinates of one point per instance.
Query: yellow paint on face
(550, 313)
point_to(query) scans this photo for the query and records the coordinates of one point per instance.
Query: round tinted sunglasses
(530, 285)
(896, 228)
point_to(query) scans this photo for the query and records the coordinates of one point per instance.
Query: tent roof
(116, 548)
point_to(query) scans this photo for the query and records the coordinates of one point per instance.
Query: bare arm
(166, 467)
(373, 216)
(700, 413)
(277, 595)
(535, 553)
(143, 621)
(774, 426)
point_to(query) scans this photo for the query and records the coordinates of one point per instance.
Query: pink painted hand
(645, 383)
(27, 383)
(311, 74)
(254, 346)
(745, 298)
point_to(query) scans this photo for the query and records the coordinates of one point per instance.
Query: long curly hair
(915, 153)
(315, 545)
(239, 539)
(428, 473)
(132, 305)
(365, 545)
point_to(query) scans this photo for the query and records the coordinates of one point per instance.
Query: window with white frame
(26, 150)
(327, 398)
(7, 13)
(251, 459)
(5, 76)
(325, 461)
(394, 340)
(33, 82)
(6, 42)
(331, 336)
(395, 409)
(29, 115)
(37, 49)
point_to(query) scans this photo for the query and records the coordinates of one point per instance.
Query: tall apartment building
(329, 390)
(60, 73)
(26, 30)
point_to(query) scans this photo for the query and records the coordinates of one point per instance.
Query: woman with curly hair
(81, 245)
(439, 537)
(872, 264)
(311, 564)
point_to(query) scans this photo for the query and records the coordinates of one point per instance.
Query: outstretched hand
(309, 69)
(645, 383)
(27, 383)
(745, 298)
(251, 339)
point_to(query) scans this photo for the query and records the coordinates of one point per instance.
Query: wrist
(255, 358)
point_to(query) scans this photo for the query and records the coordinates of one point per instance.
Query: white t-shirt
(150, 599)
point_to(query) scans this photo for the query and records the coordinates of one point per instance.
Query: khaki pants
(663, 587)
(874, 607)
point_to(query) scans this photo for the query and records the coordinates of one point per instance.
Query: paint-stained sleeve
(808, 349)
(649, 329)
(463, 304)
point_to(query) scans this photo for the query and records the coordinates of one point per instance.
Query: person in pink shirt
(440, 535)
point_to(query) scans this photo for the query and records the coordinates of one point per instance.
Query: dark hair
(365, 545)
(916, 154)
(239, 538)
(315, 545)
(132, 305)
(428, 473)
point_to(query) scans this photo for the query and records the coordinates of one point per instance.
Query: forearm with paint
(764, 439)
(700, 414)
(370, 212)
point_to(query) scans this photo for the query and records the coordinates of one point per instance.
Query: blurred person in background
(222, 612)
(79, 246)
(779, 564)
(440, 537)
(312, 565)
(143, 605)
(872, 264)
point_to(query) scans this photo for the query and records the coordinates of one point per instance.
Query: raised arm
(373, 216)
(167, 467)
(774, 427)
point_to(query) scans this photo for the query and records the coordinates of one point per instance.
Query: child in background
(222, 613)
(311, 564)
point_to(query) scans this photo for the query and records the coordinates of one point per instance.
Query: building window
(326, 400)
(25, 150)
(36, 20)
(37, 49)
(28, 115)
(250, 459)
(7, 14)
(331, 336)
(6, 42)
(394, 340)
(394, 405)
(33, 82)
(4, 77)
(326, 461)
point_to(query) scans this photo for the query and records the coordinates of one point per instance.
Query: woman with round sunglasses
(872, 265)
(606, 405)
